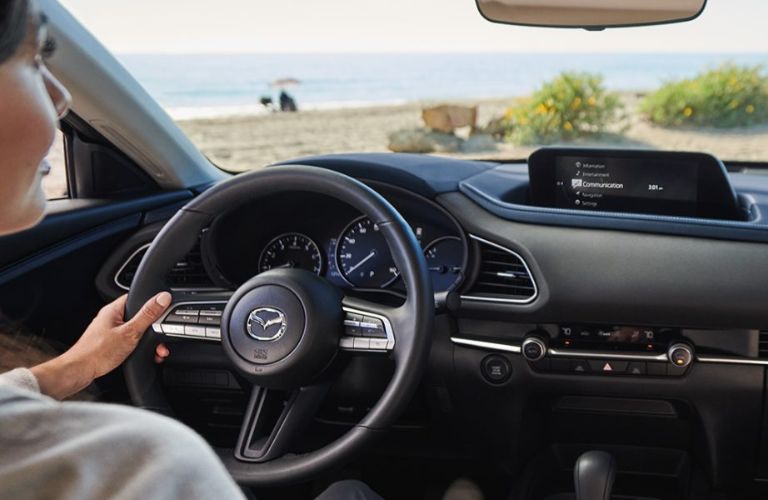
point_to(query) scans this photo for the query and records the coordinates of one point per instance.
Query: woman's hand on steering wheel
(104, 346)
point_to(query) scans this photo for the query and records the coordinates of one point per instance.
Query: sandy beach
(241, 143)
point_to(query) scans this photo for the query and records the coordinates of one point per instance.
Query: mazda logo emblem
(266, 323)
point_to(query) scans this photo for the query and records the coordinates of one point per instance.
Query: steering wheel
(283, 329)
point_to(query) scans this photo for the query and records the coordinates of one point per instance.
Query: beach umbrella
(285, 82)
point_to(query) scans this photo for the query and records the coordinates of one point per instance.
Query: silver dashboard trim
(732, 360)
(142, 248)
(496, 346)
(560, 353)
(474, 298)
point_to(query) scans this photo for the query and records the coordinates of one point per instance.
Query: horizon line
(427, 52)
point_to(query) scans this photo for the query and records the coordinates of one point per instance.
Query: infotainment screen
(632, 181)
(625, 184)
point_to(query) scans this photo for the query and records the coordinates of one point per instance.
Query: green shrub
(728, 96)
(570, 106)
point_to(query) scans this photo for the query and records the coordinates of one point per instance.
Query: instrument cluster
(329, 238)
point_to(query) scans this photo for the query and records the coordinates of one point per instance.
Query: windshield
(259, 82)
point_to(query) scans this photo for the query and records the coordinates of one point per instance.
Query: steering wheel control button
(496, 369)
(173, 329)
(209, 320)
(216, 312)
(194, 331)
(680, 355)
(186, 311)
(178, 318)
(347, 343)
(534, 349)
(352, 324)
(379, 344)
(361, 343)
(373, 327)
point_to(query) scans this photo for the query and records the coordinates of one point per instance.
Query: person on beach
(287, 102)
(51, 449)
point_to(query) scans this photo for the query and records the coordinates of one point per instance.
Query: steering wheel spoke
(275, 420)
(194, 315)
(368, 327)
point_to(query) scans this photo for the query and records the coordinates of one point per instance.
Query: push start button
(496, 369)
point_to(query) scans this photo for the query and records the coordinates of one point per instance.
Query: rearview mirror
(589, 14)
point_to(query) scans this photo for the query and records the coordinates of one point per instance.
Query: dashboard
(644, 302)
(332, 240)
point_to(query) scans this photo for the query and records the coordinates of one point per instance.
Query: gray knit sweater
(83, 450)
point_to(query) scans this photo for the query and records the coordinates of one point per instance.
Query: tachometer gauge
(444, 259)
(363, 256)
(293, 250)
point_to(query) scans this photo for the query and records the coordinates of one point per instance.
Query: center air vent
(187, 273)
(503, 276)
(763, 347)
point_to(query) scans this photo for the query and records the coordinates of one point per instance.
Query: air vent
(763, 346)
(187, 273)
(503, 277)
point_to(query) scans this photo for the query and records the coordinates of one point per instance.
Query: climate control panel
(633, 351)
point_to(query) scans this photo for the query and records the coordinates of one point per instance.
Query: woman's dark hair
(14, 22)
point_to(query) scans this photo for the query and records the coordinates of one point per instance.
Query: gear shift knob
(593, 475)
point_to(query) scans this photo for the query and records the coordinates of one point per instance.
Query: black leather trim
(67, 246)
(422, 174)
(68, 218)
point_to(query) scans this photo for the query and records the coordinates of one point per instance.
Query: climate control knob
(680, 354)
(534, 348)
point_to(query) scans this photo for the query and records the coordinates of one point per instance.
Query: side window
(55, 183)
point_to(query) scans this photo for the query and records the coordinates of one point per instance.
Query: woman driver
(79, 450)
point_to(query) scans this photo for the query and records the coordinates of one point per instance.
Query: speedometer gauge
(293, 250)
(363, 256)
(444, 260)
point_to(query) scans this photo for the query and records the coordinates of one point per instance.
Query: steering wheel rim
(411, 322)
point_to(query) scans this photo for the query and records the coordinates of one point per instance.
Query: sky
(338, 26)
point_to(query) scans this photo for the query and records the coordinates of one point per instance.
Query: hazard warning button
(608, 366)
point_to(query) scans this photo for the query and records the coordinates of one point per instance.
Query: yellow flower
(567, 126)
(509, 113)
(542, 109)
(688, 111)
(749, 109)
(592, 101)
(576, 104)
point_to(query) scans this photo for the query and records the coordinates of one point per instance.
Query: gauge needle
(369, 257)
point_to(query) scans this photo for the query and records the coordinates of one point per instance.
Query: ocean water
(191, 86)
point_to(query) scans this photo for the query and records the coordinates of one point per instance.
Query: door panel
(48, 273)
